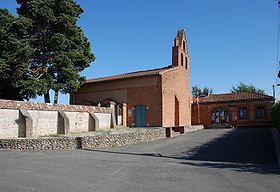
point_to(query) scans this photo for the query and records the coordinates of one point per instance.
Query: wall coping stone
(11, 104)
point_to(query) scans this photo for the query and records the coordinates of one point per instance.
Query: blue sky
(229, 41)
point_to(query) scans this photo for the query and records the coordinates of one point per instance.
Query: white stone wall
(104, 120)
(9, 123)
(44, 122)
(78, 121)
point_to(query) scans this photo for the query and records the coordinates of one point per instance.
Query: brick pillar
(268, 110)
(124, 114)
(252, 112)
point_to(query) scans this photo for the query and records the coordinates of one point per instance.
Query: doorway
(140, 116)
(220, 118)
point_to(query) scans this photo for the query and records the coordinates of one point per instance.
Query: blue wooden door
(140, 116)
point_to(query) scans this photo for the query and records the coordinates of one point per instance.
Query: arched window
(186, 63)
(182, 59)
(184, 46)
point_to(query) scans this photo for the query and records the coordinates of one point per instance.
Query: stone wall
(44, 122)
(89, 142)
(78, 122)
(141, 136)
(193, 128)
(9, 123)
(29, 119)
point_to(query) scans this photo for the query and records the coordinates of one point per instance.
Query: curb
(276, 139)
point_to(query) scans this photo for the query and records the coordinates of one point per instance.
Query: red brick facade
(158, 90)
(257, 107)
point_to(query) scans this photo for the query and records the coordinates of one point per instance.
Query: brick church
(151, 98)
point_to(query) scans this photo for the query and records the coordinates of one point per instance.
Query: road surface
(217, 160)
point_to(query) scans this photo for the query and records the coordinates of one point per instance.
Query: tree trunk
(47, 97)
(55, 101)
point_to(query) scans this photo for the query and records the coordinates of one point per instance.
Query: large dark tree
(242, 87)
(15, 53)
(60, 49)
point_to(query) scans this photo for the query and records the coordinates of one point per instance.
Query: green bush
(276, 114)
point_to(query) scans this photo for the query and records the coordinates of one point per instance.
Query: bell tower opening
(180, 55)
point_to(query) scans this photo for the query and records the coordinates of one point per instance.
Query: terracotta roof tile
(129, 75)
(228, 97)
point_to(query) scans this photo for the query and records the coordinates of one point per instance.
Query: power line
(278, 45)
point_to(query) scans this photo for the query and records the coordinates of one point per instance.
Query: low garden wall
(87, 142)
(29, 119)
(193, 128)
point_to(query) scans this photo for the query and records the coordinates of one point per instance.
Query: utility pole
(278, 47)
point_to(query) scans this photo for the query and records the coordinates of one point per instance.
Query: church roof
(234, 97)
(130, 75)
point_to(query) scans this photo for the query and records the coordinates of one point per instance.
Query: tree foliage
(60, 47)
(242, 87)
(197, 92)
(57, 48)
(14, 55)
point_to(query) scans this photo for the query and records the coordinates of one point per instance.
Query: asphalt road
(217, 160)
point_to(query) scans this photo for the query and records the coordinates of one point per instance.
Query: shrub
(276, 114)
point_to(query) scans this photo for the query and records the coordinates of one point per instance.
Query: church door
(140, 116)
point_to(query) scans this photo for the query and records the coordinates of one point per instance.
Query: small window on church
(186, 63)
(243, 113)
(184, 46)
(182, 59)
(260, 112)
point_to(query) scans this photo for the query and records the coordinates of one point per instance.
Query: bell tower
(180, 55)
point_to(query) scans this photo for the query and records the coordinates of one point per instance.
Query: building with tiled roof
(234, 97)
(232, 109)
(161, 97)
(158, 97)
(130, 75)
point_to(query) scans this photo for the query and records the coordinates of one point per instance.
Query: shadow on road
(243, 145)
(243, 149)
